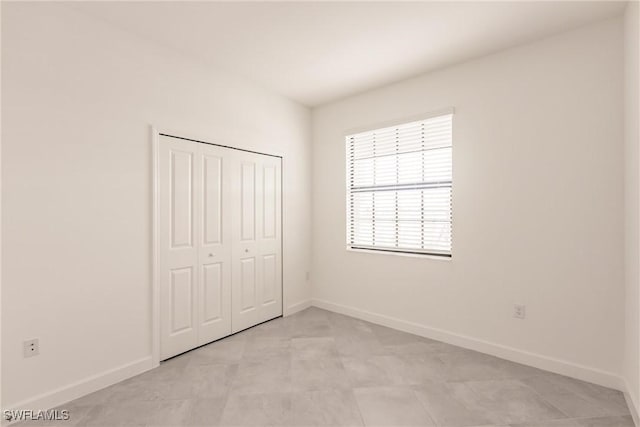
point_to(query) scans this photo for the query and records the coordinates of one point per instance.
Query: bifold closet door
(257, 245)
(194, 244)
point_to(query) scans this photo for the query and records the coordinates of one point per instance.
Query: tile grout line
(424, 406)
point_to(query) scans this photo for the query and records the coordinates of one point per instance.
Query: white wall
(632, 211)
(78, 100)
(537, 206)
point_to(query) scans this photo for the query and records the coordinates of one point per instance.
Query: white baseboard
(632, 403)
(299, 306)
(59, 396)
(562, 367)
(62, 395)
(96, 382)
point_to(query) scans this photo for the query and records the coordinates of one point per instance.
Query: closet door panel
(181, 198)
(257, 278)
(269, 244)
(212, 285)
(220, 248)
(247, 284)
(270, 197)
(248, 201)
(181, 300)
(269, 269)
(245, 269)
(214, 245)
(178, 253)
(212, 195)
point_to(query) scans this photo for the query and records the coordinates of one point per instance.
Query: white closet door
(178, 184)
(195, 244)
(214, 264)
(256, 259)
(220, 242)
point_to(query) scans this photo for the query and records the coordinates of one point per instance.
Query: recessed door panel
(269, 279)
(269, 206)
(181, 300)
(248, 200)
(212, 297)
(181, 199)
(212, 186)
(248, 283)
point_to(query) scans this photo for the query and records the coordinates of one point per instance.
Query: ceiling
(317, 52)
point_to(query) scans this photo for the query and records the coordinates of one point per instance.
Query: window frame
(390, 251)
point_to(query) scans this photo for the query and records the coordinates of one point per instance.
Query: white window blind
(399, 187)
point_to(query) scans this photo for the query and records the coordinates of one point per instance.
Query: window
(399, 187)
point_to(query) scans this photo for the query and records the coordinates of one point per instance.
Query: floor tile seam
(597, 417)
(545, 399)
(224, 406)
(479, 398)
(351, 381)
(462, 403)
(596, 401)
(424, 406)
(355, 398)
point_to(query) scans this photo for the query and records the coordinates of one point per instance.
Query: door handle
(212, 255)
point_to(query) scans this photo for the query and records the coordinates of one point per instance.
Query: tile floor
(322, 368)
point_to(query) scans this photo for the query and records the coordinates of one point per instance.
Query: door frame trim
(156, 133)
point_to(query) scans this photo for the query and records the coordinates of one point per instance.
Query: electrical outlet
(308, 275)
(519, 311)
(31, 348)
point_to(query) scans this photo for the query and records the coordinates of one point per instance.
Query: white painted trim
(298, 306)
(632, 403)
(72, 391)
(155, 261)
(401, 253)
(1, 406)
(562, 367)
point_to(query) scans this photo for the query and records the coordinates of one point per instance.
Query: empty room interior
(320, 213)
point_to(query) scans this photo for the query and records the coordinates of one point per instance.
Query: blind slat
(399, 187)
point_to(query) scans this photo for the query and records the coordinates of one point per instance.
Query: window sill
(404, 254)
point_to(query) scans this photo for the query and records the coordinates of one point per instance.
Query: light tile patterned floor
(322, 368)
